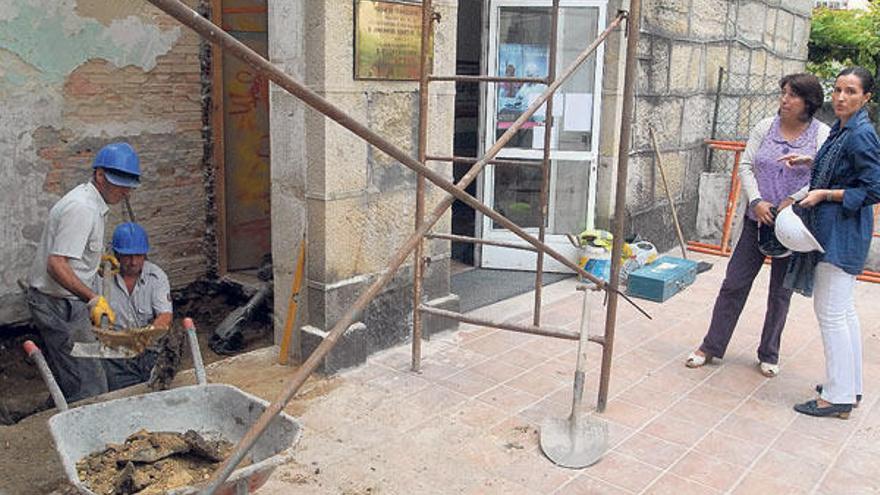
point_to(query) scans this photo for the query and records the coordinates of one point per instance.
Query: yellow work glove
(99, 307)
(114, 264)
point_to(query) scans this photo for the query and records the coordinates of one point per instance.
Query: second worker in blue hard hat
(61, 295)
(139, 295)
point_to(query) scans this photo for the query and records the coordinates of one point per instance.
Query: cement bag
(636, 255)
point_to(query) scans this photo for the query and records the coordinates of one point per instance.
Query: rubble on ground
(152, 463)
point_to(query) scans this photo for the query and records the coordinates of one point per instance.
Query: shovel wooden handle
(292, 304)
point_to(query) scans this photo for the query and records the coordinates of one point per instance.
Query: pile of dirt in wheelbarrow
(152, 463)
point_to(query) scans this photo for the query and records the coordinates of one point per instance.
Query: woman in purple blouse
(769, 185)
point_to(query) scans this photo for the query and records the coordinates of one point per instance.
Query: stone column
(355, 202)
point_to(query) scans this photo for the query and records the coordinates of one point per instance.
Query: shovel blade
(99, 351)
(573, 443)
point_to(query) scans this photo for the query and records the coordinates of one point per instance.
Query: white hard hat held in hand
(793, 234)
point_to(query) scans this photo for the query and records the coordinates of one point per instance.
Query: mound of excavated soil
(152, 463)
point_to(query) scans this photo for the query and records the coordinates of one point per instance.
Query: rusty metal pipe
(205, 28)
(477, 240)
(543, 196)
(296, 380)
(418, 265)
(468, 159)
(558, 333)
(190, 18)
(479, 79)
(629, 78)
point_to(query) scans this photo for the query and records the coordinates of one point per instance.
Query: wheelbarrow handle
(198, 364)
(36, 355)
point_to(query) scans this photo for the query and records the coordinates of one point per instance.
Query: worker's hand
(763, 213)
(114, 263)
(796, 160)
(813, 198)
(98, 308)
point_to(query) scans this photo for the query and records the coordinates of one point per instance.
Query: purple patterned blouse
(775, 180)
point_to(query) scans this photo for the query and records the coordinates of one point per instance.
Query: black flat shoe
(858, 396)
(811, 408)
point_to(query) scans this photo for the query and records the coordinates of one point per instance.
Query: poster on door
(520, 60)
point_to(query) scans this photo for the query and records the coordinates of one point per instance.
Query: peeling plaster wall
(75, 75)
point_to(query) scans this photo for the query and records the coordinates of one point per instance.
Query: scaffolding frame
(206, 29)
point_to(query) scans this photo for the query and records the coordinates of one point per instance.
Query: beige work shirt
(75, 230)
(150, 296)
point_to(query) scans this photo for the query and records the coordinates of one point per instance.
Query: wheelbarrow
(206, 408)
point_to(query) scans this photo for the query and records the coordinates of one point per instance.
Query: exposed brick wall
(149, 94)
(167, 101)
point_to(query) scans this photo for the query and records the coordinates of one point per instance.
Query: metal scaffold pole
(629, 76)
(424, 100)
(545, 164)
(211, 32)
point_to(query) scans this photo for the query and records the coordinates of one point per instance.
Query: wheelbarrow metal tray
(208, 409)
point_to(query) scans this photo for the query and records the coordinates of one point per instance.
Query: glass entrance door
(519, 35)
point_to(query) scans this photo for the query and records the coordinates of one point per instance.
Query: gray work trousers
(62, 322)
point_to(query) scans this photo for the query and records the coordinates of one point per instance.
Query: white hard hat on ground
(793, 234)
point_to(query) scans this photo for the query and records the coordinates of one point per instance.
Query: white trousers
(841, 336)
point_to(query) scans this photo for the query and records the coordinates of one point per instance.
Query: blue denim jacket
(845, 229)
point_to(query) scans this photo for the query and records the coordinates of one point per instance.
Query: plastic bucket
(596, 261)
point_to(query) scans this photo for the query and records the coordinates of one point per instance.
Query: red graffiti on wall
(248, 91)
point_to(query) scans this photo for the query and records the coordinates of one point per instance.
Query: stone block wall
(354, 204)
(682, 45)
(75, 75)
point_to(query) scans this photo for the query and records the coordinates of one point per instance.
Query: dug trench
(23, 393)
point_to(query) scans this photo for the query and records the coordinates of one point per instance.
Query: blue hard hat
(120, 163)
(130, 238)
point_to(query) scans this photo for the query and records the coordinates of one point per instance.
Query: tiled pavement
(468, 422)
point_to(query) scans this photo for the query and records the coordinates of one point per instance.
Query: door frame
(218, 145)
(218, 130)
(524, 260)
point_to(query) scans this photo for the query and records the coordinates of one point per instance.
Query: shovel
(97, 349)
(579, 440)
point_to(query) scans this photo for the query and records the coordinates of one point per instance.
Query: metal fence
(741, 101)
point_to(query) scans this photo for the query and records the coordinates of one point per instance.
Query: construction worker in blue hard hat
(139, 295)
(60, 296)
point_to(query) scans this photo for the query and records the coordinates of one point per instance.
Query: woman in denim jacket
(844, 183)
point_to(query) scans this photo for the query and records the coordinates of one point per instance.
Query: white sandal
(694, 360)
(769, 370)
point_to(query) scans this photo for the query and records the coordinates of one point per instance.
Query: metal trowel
(100, 351)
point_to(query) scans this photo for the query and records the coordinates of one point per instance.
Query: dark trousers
(62, 322)
(123, 373)
(744, 265)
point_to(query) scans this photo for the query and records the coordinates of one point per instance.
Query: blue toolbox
(662, 279)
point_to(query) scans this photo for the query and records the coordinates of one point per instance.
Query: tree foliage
(840, 38)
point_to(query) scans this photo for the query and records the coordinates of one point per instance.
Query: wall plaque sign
(387, 40)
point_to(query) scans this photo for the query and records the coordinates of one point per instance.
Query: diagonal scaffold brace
(214, 34)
